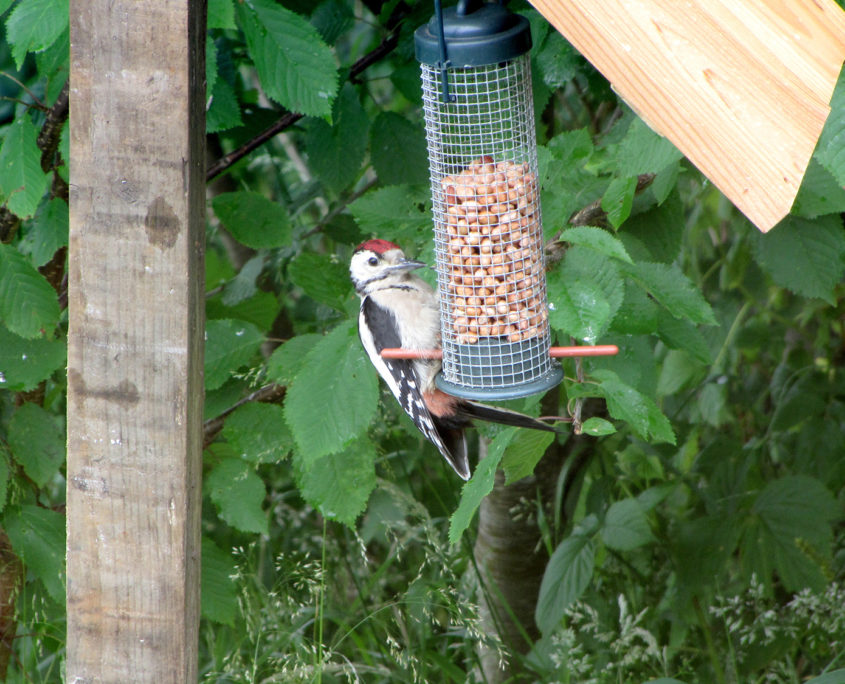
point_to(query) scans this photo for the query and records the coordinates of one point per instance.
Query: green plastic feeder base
(496, 370)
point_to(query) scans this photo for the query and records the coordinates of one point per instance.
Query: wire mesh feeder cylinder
(479, 119)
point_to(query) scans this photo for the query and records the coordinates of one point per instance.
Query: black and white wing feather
(377, 323)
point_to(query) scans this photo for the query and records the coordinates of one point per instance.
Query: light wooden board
(741, 87)
(135, 340)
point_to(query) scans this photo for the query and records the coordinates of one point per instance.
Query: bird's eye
(372, 261)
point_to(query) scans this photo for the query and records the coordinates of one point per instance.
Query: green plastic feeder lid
(476, 34)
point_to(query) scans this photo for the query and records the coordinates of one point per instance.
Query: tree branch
(48, 138)
(290, 118)
(212, 427)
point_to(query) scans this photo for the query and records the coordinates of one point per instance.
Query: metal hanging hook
(443, 64)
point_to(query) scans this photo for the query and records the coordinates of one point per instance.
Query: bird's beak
(407, 265)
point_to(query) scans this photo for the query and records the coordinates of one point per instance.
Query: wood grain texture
(741, 87)
(135, 341)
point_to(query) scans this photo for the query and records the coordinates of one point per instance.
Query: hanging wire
(443, 64)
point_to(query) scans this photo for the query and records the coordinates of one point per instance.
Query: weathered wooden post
(135, 339)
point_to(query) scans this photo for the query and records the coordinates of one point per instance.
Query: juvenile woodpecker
(399, 309)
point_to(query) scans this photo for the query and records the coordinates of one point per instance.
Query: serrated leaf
(597, 239)
(644, 151)
(671, 288)
(219, 593)
(389, 211)
(221, 14)
(336, 152)
(339, 485)
(832, 677)
(287, 360)
(229, 344)
(618, 199)
(47, 233)
(398, 150)
(322, 278)
(38, 538)
(678, 333)
(524, 452)
(34, 24)
(295, 67)
(258, 433)
(252, 219)
(334, 396)
(479, 485)
(25, 363)
(332, 18)
(585, 293)
(660, 229)
(225, 110)
(243, 285)
(22, 182)
(807, 257)
(626, 526)
(790, 517)
(819, 193)
(558, 61)
(239, 494)
(597, 427)
(567, 575)
(37, 443)
(28, 305)
(636, 409)
(830, 150)
(637, 315)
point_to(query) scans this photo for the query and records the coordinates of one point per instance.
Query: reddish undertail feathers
(399, 309)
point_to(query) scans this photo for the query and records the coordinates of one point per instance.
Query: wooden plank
(741, 87)
(135, 341)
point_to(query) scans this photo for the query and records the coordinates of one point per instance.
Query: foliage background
(695, 530)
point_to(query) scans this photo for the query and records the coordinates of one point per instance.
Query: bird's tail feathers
(503, 416)
(455, 453)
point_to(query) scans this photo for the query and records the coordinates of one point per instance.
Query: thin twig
(290, 118)
(38, 103)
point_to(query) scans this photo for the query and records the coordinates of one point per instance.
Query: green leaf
(640, 412)
(790, 517)
(660, 229)
(667, 680)
(322, 278)
(524, 452)
(398, 151)
(22, 182)
(47, 233)
(38, 538)
(243, 285)
(558, 61)
(701, 548)
(332, 18)
(819, 193)
(479, 485)
(295, 67)
(239, 494)
(388, 211)
(37, 443)
(252, 219)
(637, 315)
(626, 526)
(644, 151)
(219, 594)
(257, 433)
(618, 199)
(221, 14)
(288, 359)
(585, 293)
(333, 398)
(567, 575)
(339, 485)
(229, 345)
(25, 363)
(807, 257)
(225, 110)
(830, 150)
(28, 305)
(597, 239)
(34, 24)
(679, 369)
(5, 472)
(336, 152)
(832, 677)
(597, 427)
(669, 286)
(678, 333)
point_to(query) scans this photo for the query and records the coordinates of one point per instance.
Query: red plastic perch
(554, 352)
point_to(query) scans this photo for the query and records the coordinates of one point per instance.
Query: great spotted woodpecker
(399, 309)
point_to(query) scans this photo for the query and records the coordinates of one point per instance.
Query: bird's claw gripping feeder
(479, 120)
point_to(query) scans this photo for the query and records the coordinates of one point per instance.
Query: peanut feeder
(479, 119)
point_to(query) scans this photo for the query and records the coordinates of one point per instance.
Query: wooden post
(135, 339)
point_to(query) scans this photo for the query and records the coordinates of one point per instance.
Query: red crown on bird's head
(377, 246)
